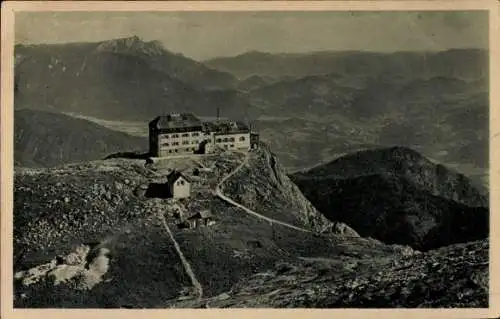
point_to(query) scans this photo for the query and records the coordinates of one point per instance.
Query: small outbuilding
(201, 218)
(179, 185)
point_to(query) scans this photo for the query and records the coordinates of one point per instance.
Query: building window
(188, 149)
(219, 140)
(185, 135)
(175, 143)
(225, 139)
(175, 135)
(242, 139)
(231, 139)
(232, 145)
(185, 142)
(165, 144)
(195, 142)
(225, 146)
(175, 150)
(195, 134)
(170, 151)
(164, 136)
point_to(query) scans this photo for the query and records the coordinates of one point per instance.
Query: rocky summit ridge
(132, 44)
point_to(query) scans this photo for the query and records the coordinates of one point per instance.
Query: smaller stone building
(179, 185)
(201, 218)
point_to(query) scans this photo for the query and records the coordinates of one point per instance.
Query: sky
(205, 35)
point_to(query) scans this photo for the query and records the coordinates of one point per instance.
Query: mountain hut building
(179, 185)
(174, 134)
(184, 133)
(201, 218)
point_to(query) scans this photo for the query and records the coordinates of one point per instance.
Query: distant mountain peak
(132, 44)
(133, 38)
(254, 53)
(128, 41)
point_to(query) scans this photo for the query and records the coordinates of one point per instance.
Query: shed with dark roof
(202, 218)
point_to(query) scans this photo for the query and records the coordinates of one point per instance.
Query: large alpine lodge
(184, 133)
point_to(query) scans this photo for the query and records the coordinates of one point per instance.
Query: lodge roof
(225, 127)
(203, 214)
(176, 120)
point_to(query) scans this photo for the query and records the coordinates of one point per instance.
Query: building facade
(178, 134)
(175, 134)
(228, 135)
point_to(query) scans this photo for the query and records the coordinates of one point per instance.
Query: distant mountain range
(444, 118)
(120, 79)
(309, 107)
(473, 64)
(44, 139)
(398, 196)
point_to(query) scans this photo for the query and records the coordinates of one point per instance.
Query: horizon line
(253, 51)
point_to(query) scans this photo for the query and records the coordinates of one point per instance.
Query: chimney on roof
(217, 114)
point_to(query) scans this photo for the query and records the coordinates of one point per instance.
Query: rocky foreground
(451, 277)
(92, 235)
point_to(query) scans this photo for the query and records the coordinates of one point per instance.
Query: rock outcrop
(265, 186)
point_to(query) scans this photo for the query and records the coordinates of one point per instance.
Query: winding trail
(219, 193)
(185, 262)
(196, 284)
